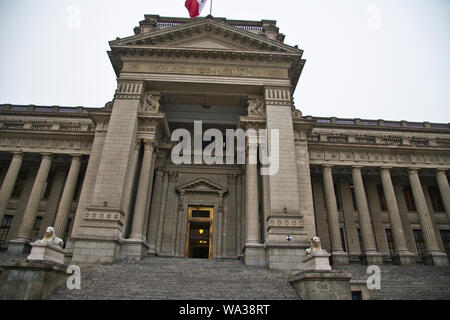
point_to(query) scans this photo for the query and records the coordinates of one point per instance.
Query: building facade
(374, 191)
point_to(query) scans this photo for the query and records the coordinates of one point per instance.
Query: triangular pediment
(205, 34)
(202, 185)
(206, 44)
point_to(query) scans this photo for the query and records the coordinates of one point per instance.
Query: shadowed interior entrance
(199, 233)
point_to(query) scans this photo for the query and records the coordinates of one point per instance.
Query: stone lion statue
(315, 246)
(51, 238)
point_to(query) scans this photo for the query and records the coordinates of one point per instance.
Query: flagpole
(210, 8)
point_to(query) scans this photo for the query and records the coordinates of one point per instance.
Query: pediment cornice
(214, 28)
(202, 186)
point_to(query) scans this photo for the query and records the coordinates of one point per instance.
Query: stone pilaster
(285, 219)
(444, 188)
(433, 254)
(100, 233)
(369, 254)
(31, 210)
(337, 252)
(9, 182)
(67, 196)
(401, 255)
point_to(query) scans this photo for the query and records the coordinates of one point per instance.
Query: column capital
(441, 169)
(385, 168)
(326, 165)
(149, 144)
(47, 155)
(413, 169)
(17, 153)
(357, 167)
(76, 155)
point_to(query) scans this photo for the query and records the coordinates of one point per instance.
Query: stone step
(185, 279)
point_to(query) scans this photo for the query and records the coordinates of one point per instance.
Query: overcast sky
(372, 59)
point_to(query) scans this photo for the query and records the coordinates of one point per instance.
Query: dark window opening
(420, 243)
(390, 241)
(36, 229)
(436, 199)
(410, 203)
(18, 187)
(4, 228)
(381, 198)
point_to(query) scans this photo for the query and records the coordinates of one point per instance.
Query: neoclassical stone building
(372, 190)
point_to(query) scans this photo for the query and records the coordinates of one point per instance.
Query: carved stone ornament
(152, 104)
(255, 107)
(296, 114)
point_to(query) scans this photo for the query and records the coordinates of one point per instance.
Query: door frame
(190, 219)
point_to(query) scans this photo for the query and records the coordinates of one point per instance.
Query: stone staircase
(157, 278)
(419, 282)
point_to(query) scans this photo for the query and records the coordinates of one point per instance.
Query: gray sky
(373, 59)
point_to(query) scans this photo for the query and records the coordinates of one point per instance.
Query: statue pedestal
(318, 260)
(46, 252)
(319, 282)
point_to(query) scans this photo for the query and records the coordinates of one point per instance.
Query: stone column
(143, 193)
(433, 254)
(67, 196)
(369, 254)
(444, 188)
(137, 246)
(337, 252)
(10, 182)
(251, 175)
(254, 251)
(29, 217)
(401, 255)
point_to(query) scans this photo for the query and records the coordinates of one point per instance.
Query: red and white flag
(195, 7)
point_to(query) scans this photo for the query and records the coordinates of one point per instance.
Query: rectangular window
(4, 228)
(344, 247)
(337, 195)
(36, 229)
(390, 241)
(18, 187)
(410, 204)
(67, 231)
(436, 199)
(360, 239)
(48, 186)
(355, 207)
(420, 243)
(445, 234)
(76, 194)
(381, 198)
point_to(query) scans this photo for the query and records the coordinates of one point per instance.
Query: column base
(404, 258)
(438, 259)
(134, 249)
(255, 255)
(340, 258)
(286, 257)
(372, 258)
(322, 285)
(88, 251)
